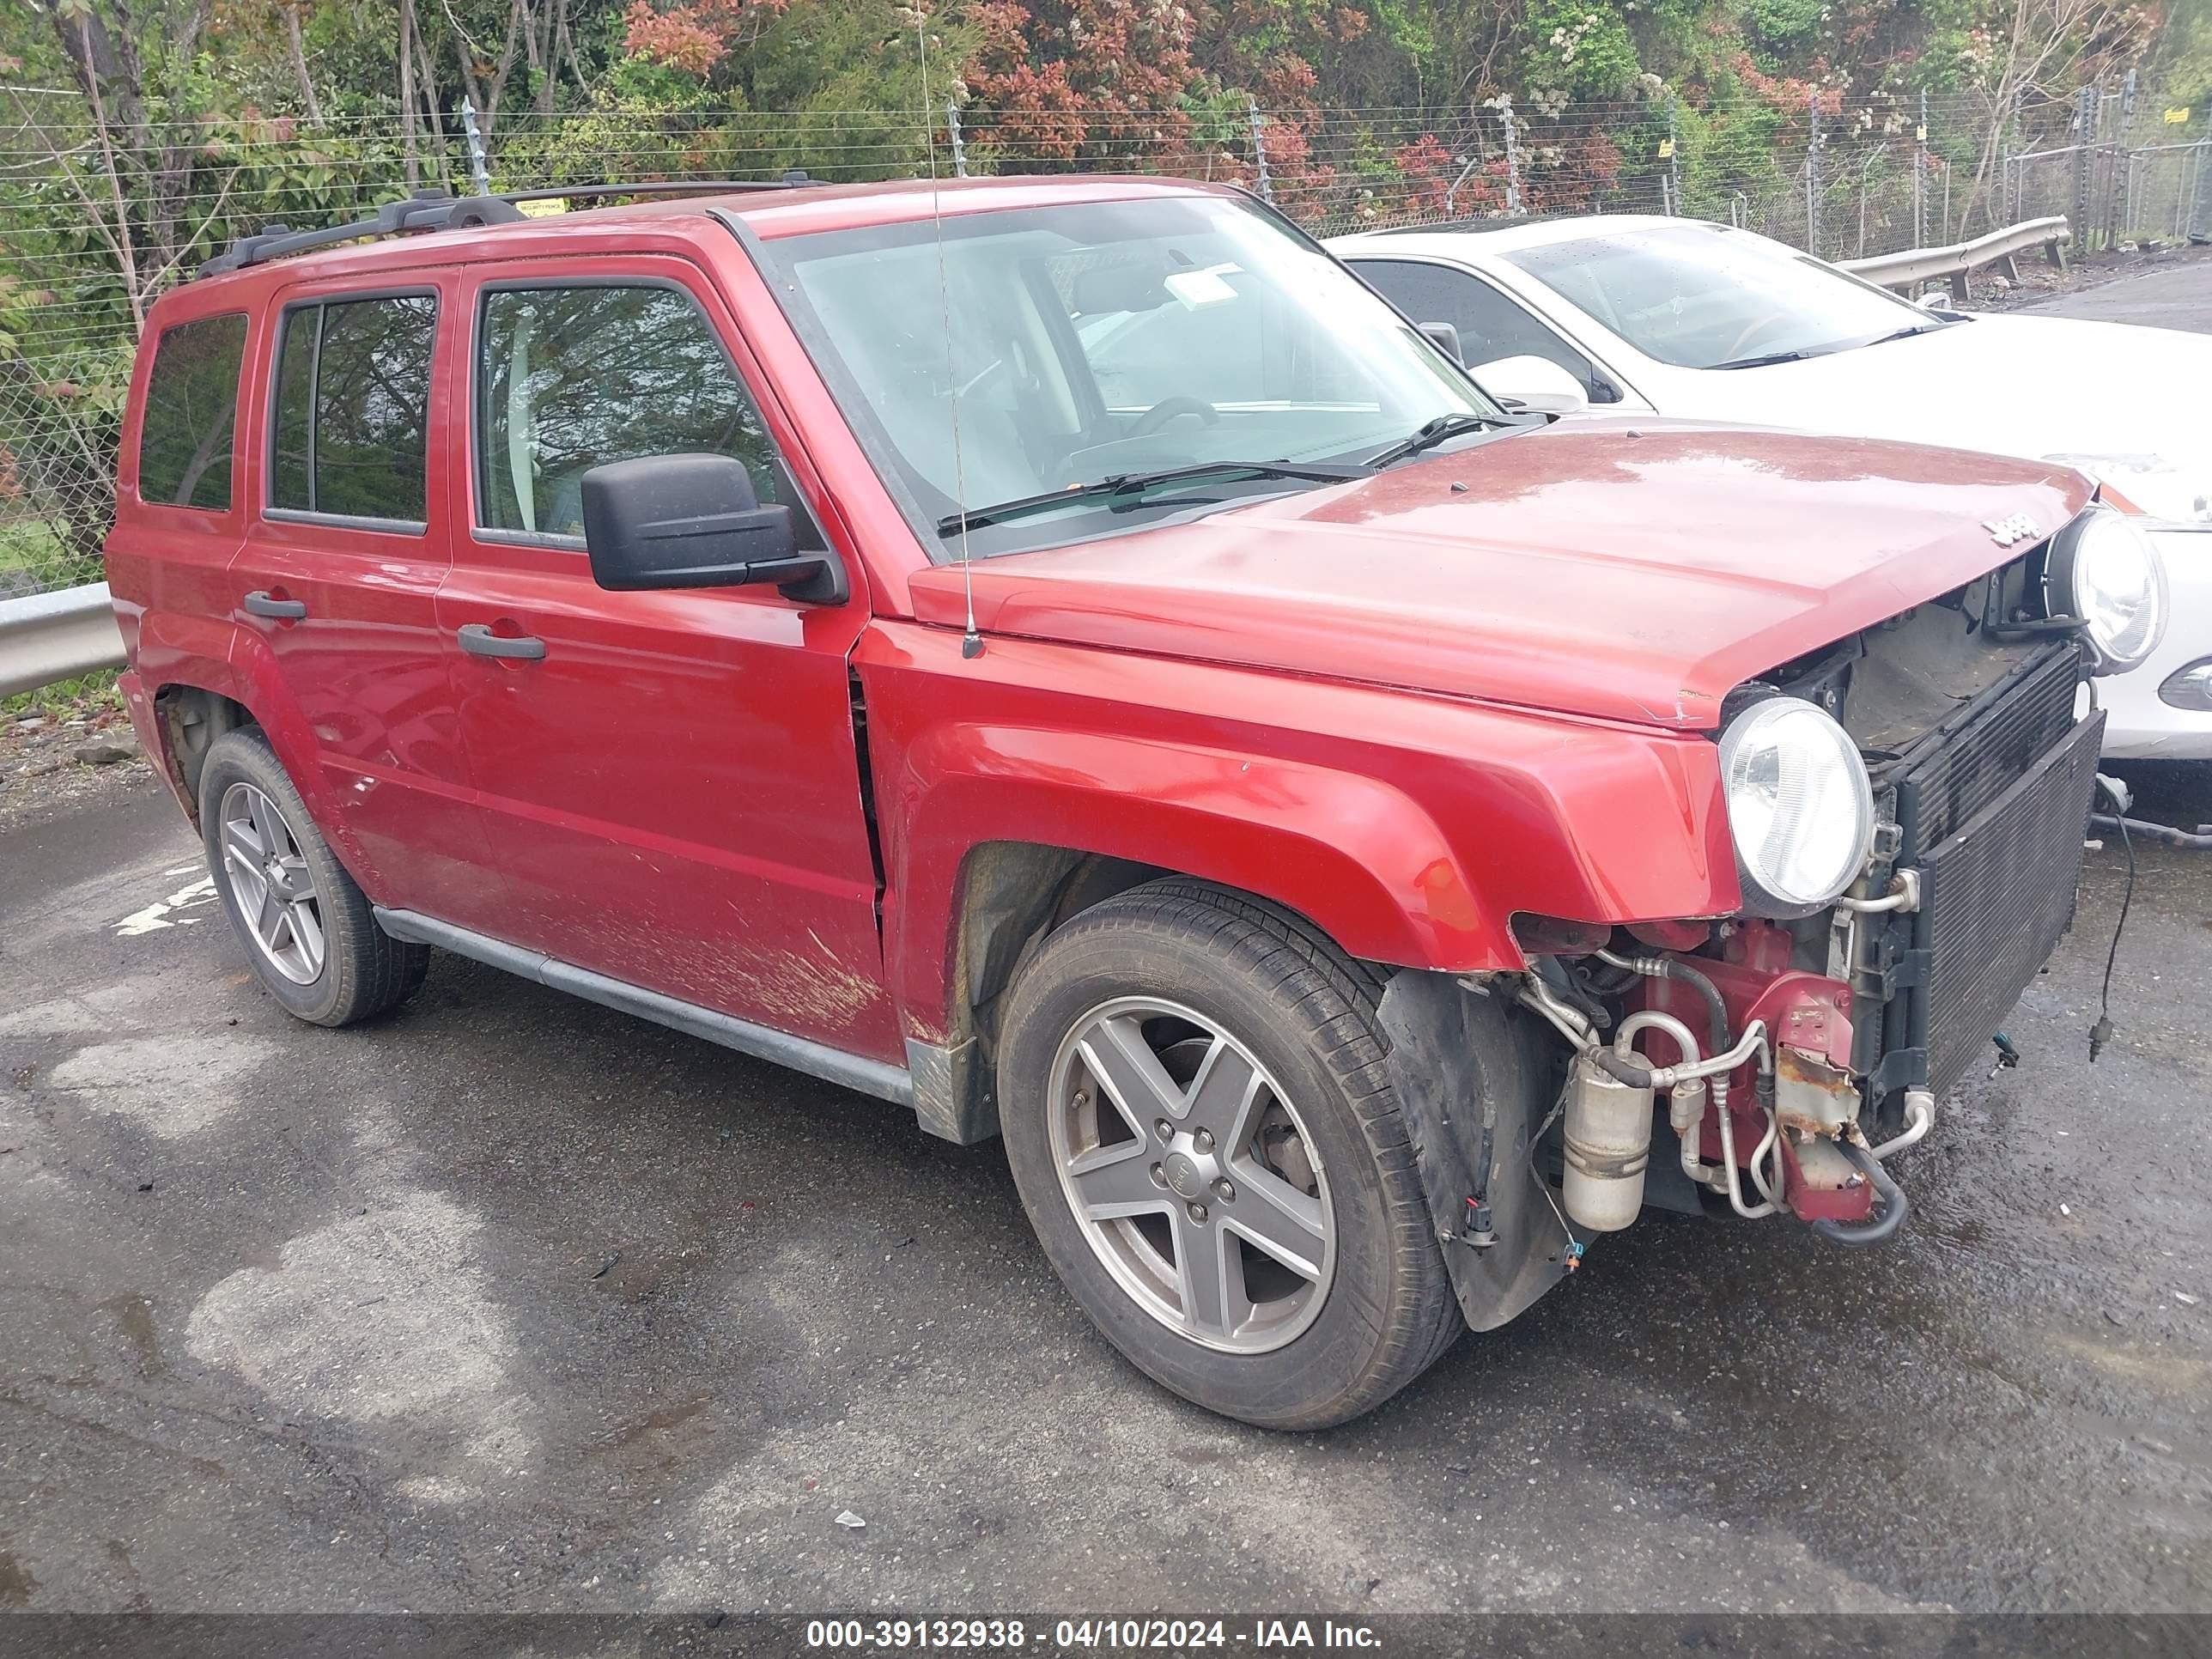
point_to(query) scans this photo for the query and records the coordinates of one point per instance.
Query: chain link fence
(2121, 170)
(95, 222)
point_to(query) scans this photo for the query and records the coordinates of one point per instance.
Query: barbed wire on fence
(92, 229)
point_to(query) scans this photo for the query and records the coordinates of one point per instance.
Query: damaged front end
(1747, 1059)
(1927, 874)
(1908, 807)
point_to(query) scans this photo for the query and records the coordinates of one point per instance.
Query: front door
(338, 576)
(669, 781)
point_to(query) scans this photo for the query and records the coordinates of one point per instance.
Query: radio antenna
(971, 642)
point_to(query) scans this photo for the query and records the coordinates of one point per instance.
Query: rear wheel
(1195, 1105)
(305, 923)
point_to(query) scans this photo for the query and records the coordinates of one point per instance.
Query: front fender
(1388, 887)
(1409, 828)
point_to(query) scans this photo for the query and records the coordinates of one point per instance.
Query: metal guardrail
(1909, 269)
(47, 637)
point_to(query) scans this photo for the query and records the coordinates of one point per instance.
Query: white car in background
(1635, 314)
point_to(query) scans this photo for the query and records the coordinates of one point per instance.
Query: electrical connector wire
(1574, 1253)
(2101, 1033)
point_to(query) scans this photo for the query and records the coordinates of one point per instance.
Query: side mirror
(1445, 337)
(1533, 383)
(696, 521)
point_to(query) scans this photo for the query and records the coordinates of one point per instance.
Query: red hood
(1627, 572)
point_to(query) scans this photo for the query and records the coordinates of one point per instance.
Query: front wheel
(305, 922)
(1194, 1101)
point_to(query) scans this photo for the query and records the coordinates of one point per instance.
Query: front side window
(1704, 296)
(568, 379)
(353, 408)
(191, 414)
(1024, 351)
(1491, 326)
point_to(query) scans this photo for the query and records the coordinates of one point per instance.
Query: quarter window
(191, 415)
(568, 379)
(353, 408)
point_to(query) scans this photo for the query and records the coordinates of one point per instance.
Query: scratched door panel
(671, 789)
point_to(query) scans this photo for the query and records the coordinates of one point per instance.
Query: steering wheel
(1168, 408)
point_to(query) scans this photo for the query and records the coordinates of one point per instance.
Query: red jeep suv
(1065, 658)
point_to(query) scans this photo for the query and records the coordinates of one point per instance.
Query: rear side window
(191, 415)
(1491, 326)
(353, 408)
(568, 379)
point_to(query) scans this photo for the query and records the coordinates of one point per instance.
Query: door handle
(258, 603)
(478, 640)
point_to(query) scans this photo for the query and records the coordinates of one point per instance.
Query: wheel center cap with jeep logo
(1185, 1178)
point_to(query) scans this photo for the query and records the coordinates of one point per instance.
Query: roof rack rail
(437, 209)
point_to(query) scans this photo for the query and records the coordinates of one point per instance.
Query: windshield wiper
(1767, 358)
(1908, 331)
(1429, 433)
(1124, 485)
(1800, 353)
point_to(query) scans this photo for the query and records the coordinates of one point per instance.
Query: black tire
(1307, 1013)
(364, 970)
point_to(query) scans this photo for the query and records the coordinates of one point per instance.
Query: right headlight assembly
(1800, 807)
(2102, 569)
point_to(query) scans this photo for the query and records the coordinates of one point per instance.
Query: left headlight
(1800, 807)
(2105, 570)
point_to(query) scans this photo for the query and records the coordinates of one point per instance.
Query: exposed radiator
(1997, 891)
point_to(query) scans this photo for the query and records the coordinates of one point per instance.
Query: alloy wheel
(268, 877)
(1192, 1175)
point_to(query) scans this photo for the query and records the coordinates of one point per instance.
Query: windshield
(1704, 296)
(1072, 345)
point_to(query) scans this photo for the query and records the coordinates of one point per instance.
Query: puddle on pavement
(134, 1317)
(16, 1582)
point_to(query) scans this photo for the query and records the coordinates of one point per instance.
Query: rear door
(339, 571)
(669, 781)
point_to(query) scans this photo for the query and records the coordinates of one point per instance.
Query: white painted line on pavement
(159, 913)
